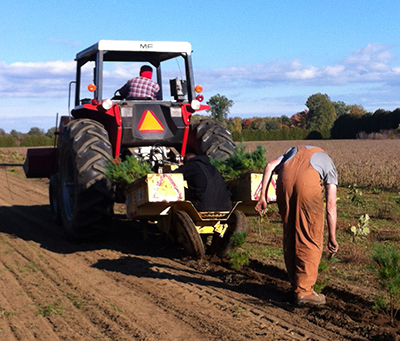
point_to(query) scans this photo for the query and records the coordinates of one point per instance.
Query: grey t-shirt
(320, 161)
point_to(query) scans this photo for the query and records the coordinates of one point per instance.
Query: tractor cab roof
(135, 51)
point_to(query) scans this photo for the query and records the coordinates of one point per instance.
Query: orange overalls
(301, 206)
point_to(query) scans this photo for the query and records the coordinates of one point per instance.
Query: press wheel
(236, 222)
(187, 235)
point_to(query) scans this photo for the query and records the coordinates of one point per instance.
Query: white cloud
(30, 80)
(307, 73)
(368, 76)
(369, 64)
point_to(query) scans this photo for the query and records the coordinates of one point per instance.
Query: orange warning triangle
(149, 123)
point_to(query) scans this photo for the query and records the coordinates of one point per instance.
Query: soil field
(135, 285)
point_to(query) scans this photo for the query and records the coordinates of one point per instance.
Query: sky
(266, 56)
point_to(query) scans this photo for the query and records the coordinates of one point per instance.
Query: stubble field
(366, 163)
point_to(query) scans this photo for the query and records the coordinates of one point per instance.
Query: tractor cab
(138, 122)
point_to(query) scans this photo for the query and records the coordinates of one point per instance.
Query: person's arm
(124, 91)
(269, 168)
(331, 216)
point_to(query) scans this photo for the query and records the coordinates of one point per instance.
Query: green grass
(50, 310)
(76, 303)
(264, 240)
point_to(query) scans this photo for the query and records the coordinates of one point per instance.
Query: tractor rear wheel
(236, 223)
(54, 198)
(85, 193)
(187, 235)
(209, 137)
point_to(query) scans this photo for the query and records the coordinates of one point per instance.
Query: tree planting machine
(104, 126)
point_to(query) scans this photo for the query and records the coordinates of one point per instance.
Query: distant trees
(318, 119)
(258, 123)
(35, 137)
(6, 140)
(299, 119)
(356, 110)
(322, 119)
(340, 108)
(263, 123)
(36, 131)
(285, 121)
(246, 124)
(380, 124)
(50, 132)
(16, 134)
(219, 107)
(272, 125)
(36, 140)
(321, 114)
(235, 125)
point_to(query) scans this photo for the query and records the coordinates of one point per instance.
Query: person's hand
(333, 245)
(261, 206)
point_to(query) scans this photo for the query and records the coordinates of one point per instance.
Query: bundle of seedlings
(242, 171)
(241, 163)
(127, 171)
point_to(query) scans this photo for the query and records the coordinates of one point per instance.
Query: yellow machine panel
(154, 188)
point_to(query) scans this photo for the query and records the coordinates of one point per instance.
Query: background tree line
(35, 137)
(322, 119)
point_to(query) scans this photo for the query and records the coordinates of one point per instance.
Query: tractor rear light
(195, 104)
(91, 87)
(200, 98)
(198, 88)
(95, 101)
(107, 104)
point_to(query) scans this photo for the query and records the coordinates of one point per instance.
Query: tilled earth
(135, 285)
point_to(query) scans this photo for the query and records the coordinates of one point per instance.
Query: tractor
(103, 126)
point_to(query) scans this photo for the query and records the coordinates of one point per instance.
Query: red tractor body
(105, 125)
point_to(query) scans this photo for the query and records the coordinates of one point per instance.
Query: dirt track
(134, 286)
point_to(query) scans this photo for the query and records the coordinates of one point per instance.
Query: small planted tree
(355, 196)
(361, 229)
(238, 256)
(385, 263)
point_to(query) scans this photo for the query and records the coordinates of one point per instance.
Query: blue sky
(267, 56)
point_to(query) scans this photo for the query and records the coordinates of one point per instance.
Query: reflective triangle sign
(166, 189)
(271, 191)
(149, 123)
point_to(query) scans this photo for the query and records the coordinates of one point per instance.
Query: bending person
(303, 173)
